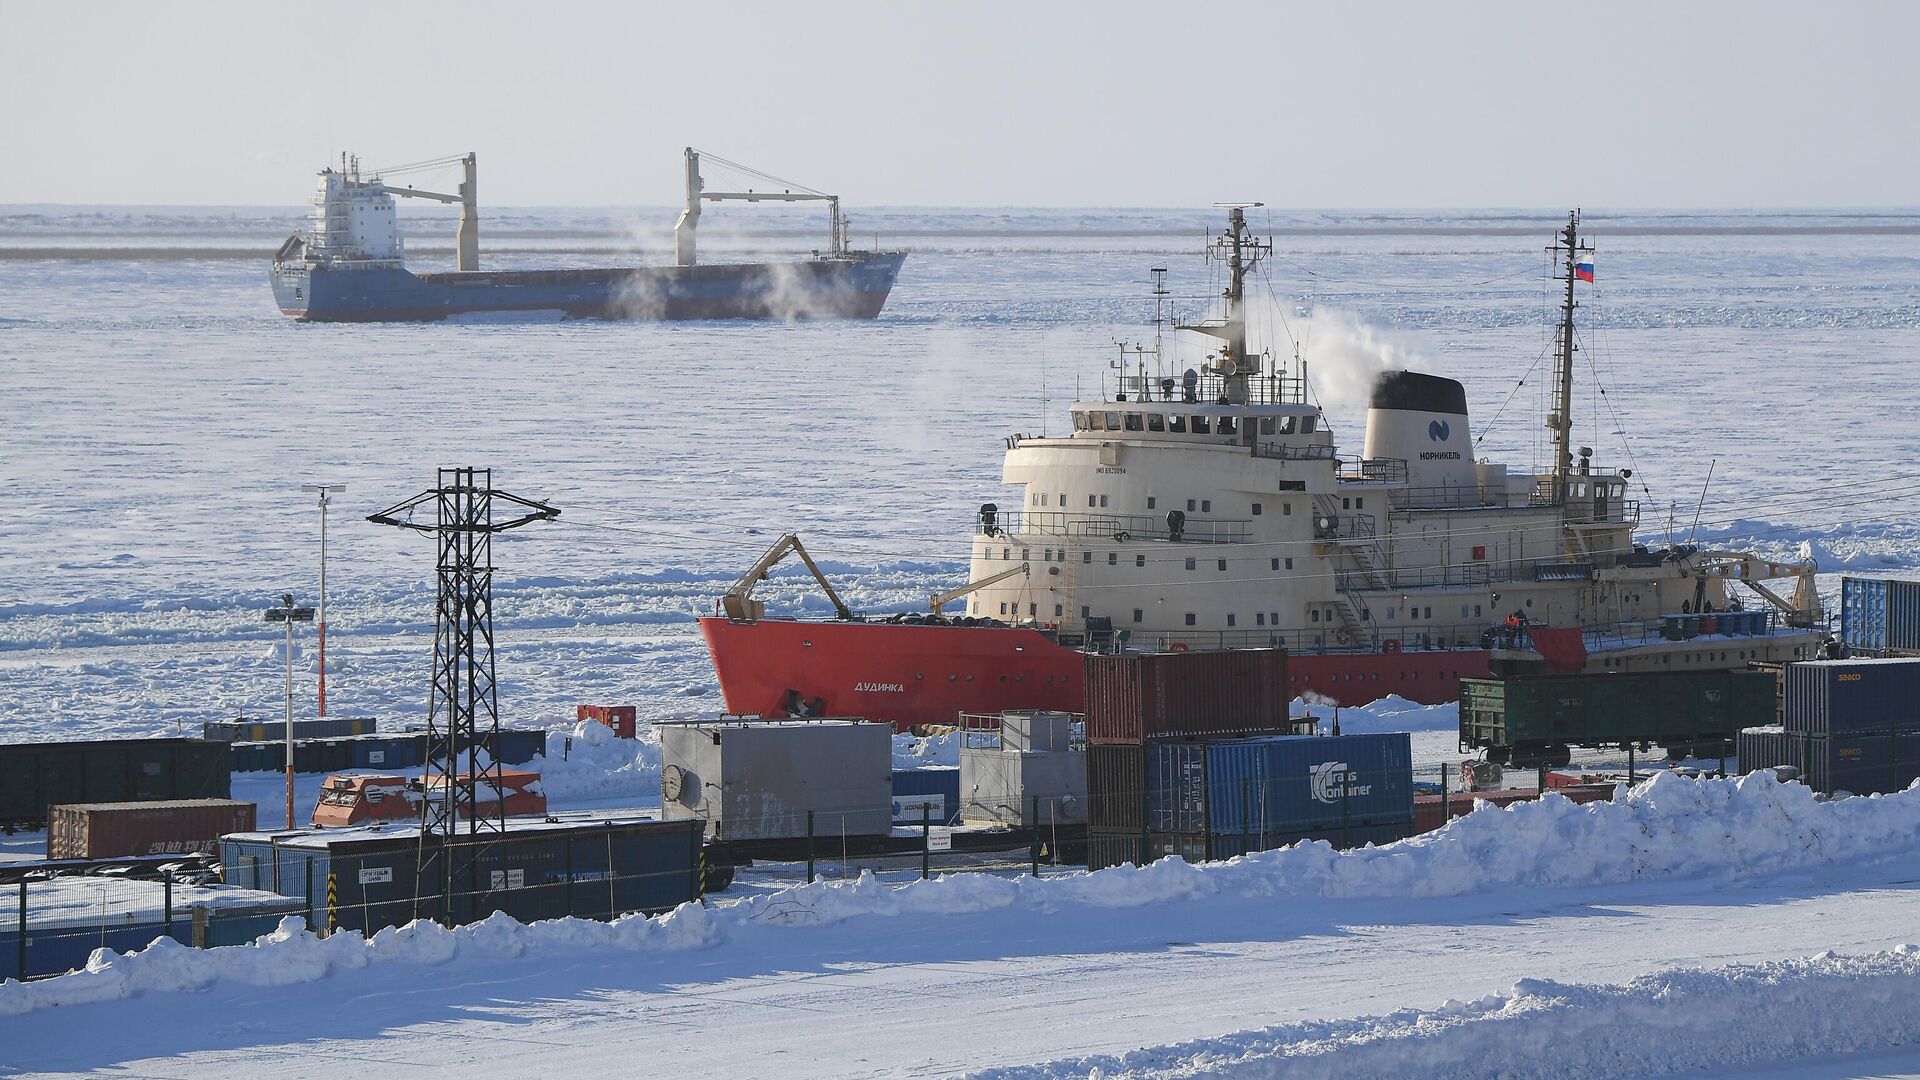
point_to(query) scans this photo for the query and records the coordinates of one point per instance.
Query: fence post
(1246, 808)
(1630, 779)
(23, 931)
(1033, 842)
(199, 926)
(1893, 759)
(569, 891)
(321, 930)
(700, 869)
(809, 847)
(926, 838)
(1446, 800)
(1346, 786)
(333, 902)
(166, 900)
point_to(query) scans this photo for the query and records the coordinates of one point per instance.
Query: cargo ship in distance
(349, 265)
(1210, 508)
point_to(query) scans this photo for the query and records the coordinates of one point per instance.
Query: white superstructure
(1212, 507)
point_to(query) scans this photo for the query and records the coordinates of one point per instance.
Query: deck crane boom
(738, 602)
(683, 229)
(467, 239)
(941, 600)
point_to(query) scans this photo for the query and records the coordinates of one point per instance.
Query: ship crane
(738, 603)
(941, 600)
(683, 229)
(467, 239)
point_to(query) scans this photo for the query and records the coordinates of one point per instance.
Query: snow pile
(910, 752)
(292, 954)
(586, 761)
(1390, 713)
(1675, 1021)
(1667, 827)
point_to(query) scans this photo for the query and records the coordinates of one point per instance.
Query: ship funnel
(1422, 420)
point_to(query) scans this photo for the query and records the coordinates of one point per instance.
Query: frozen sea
(158, 416)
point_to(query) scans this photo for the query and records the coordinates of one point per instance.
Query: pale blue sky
(1111, 104)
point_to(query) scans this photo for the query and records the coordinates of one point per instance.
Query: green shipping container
(1675, 710)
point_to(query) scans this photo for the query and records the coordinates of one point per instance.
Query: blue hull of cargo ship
(844, 287)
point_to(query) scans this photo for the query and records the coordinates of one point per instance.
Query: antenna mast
(1242, 254)
(1560, 420)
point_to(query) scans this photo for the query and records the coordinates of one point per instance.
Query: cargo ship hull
(924, 674)
(843, 287)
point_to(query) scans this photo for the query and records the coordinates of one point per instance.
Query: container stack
(623, 719)
(1192, 754)
(1846, 725)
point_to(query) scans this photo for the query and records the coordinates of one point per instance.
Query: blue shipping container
(935, 787)
(1831, 697)
(1880, 616)
(1282, 784)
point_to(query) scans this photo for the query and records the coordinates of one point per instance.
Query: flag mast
(1560, 420)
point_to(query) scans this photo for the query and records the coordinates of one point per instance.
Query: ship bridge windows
(1177, 425)
(1226, 426)
(1306, 425)
(1156, 422)
(1080, 422)
(1202, 425)
(1113, 421)
(1134, 422)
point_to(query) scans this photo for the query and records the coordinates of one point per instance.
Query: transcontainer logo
(1332, 781)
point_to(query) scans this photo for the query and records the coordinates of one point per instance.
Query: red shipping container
(623, 719)
(1134, 697)
(173, 827)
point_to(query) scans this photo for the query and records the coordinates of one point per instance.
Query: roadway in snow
(895, 996)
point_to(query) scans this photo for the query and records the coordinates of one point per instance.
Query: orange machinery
(359, 800)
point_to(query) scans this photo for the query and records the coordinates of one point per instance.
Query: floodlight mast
(287, 614)
(325, 491)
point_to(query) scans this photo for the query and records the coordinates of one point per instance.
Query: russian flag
(1583, 268)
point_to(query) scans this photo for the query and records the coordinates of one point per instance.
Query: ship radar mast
(1236, 366)
(1569, 247)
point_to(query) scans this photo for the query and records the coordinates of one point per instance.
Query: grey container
(1044, 732)
(536, 870)
(759, 779)
(1005, 787)
(1831, 697)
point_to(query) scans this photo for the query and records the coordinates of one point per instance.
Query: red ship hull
(912, 675)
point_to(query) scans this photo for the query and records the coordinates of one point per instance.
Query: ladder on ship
(1359, 566)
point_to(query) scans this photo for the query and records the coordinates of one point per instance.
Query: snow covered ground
(159, 417)
(1542, 940)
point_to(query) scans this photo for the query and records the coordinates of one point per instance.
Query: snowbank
(1676, 1021)
(585, 761)
(1668, 827)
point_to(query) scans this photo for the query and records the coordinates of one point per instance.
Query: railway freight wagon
(1535, 719)
(35, 776)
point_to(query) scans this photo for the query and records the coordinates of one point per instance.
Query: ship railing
(1325, 638)
(1294, 451)
(1271, 388)
(1009, 524)
(1332, 526)
(1375, 471)
(982, 731)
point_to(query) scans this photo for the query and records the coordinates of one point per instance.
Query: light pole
(325, 492)
(288, 614)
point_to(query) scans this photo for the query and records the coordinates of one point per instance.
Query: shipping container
(1134, 697)
(1042, 732)
(760, 779)
(936, 787)
(275, 731)
(1830, 697)
(623, 719)
(382, 877)
(36, 776)
(396, 751)
(1880, 617)
(1116, 786)
(1860, 763)
(1522, 717)
(1115, 847)
(1280, 784)
(176, 827)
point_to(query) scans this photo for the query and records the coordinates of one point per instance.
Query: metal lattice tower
(463, 715)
